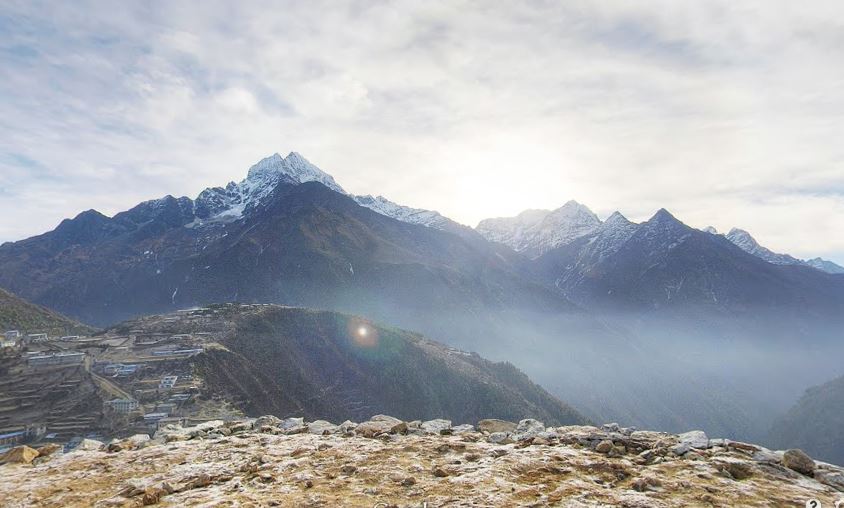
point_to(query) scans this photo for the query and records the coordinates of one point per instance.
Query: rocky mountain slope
(18, 314)
(296, 362)
(389, 462)
(814, 423)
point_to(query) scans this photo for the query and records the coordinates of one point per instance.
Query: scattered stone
(439, 472)
(499, 438)
(604, 446)
(152, 495)
(348, 469)
(270, 421)
(797, 460)
(492, 426)
(646, 484)
(738, 470)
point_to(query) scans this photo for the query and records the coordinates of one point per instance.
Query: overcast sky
(726, 113)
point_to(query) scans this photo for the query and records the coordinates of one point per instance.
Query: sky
(727, 113)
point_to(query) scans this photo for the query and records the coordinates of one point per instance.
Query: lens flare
(362, 333)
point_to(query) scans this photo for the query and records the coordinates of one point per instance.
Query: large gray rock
(696, 439)
(385, 418)
(527, 429)
(797, 460)
(438, 426)
(462, 429)
(90, 445)
(287, 423)
(492, 425)
(383, 425)
(322, 428)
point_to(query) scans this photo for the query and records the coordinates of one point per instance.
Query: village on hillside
(63, 389)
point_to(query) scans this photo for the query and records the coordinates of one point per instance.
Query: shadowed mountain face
(316, 364)
(814, 424)
(664, 264)
(304, 244)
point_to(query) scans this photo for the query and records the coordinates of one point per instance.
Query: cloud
(473, 109)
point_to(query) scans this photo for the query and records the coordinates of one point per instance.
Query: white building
(123, 405)
(167, 382)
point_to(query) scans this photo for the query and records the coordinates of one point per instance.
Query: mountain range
(626, 321)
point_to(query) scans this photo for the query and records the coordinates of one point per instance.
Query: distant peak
(663, 215)
(710, 229)
(617, 218)
(294, 166)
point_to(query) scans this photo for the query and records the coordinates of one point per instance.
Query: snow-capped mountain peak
(747, 243)
(534, 232)
(743, 240)
(293, 166)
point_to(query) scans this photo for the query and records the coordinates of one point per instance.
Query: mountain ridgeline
(656, 324)
(18, 314)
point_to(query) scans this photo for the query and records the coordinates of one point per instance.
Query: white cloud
(726, 113)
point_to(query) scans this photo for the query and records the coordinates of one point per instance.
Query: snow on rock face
(825, 265)
(747, 243)
(402, 213)
(743, 240)
(260, 181)
(534, 232)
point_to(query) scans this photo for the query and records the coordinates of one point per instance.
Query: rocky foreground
(387, 462)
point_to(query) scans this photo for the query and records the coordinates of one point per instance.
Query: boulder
(462, 429)
(48, 449)
(322, 428)
(797, 460)
(376, 428)
(604, 446)
(438, 426)
(19, 455)
(696, 439)
(527, 429)
(90, 445)
(493, 425)
(385, 418)
(138, 440)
